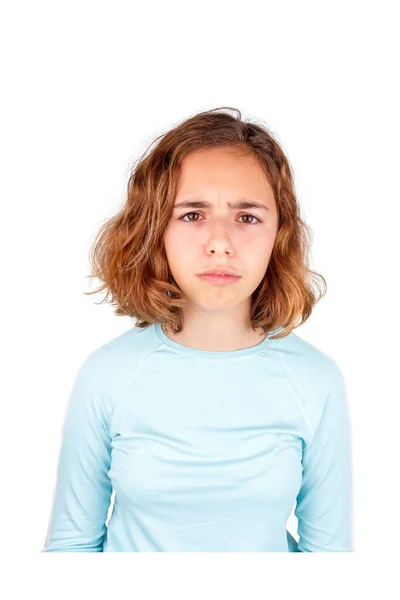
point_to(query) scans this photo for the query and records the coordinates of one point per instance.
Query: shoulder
(305, 360)
(311, 372)
(110, 366)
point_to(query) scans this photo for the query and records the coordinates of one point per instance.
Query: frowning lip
(219, 271)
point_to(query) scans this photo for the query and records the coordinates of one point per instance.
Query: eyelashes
(196, 213)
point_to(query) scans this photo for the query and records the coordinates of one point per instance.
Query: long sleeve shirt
(205, 450)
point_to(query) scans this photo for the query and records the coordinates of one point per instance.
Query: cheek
(179, 240)
(181, 249)
(257, 246)
(256, 253)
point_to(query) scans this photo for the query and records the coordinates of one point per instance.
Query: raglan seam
(331, 365)
(127, 382)
(300, 401)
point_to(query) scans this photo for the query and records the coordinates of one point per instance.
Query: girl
(210, 418)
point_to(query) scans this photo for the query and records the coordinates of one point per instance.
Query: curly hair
(128, 253)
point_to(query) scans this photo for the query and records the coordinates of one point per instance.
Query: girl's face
(240, 239)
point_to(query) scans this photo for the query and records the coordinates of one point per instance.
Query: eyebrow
(242, 203)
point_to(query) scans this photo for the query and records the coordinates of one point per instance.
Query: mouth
(220, 271)
(217, 278)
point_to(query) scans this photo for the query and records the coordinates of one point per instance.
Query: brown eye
(253, 217)
(196, 213)
(192, 213)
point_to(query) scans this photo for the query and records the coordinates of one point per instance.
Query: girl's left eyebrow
(240, 204)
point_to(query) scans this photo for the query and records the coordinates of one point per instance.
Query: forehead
(227, 169)
(222, 156)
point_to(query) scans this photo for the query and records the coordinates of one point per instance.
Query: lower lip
(220, 278)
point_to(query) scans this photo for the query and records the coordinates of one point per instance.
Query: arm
(83, 488)
(324, 502)
(292, 544)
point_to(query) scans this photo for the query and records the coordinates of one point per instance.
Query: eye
(196, 213)
(253, 217)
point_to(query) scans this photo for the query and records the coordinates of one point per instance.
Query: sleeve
(83, 488)
(292, 544)
(324, 502)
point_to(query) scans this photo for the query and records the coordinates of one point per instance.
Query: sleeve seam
(117, 395)
(301, 403)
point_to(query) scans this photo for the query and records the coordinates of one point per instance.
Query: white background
(87, 86)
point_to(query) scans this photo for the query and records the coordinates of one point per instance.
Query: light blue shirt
(206, 451)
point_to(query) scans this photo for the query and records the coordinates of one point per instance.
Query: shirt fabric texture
(206, 451)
